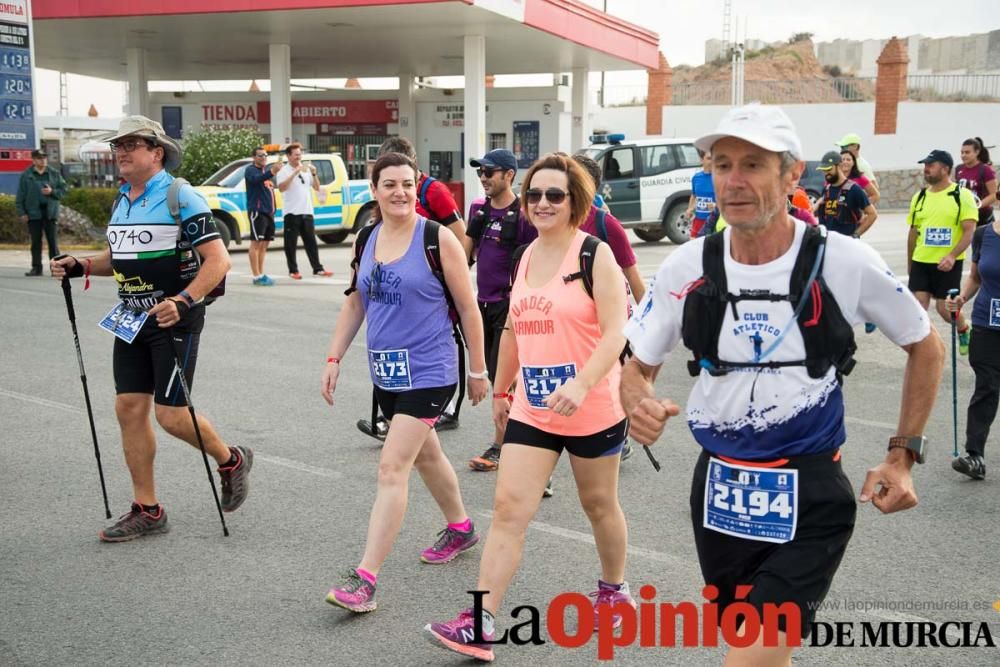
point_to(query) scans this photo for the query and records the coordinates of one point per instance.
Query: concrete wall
(921, 127)
(960, 54)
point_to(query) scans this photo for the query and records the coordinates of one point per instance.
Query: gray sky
(683, 26)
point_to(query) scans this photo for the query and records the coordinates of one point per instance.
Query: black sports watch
(916, 445)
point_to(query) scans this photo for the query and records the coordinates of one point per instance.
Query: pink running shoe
(459, 636)
(355, 594)
(450, 543)
(610, 597)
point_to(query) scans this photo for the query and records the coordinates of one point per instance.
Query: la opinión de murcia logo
(701, 625)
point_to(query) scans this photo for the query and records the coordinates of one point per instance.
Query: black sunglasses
(301, 180)
(487, 172)
(260, 155)
(554, 196)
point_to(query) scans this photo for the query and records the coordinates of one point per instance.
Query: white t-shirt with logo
(762, 413)
(297, 199)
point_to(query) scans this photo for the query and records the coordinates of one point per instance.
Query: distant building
(968, 54)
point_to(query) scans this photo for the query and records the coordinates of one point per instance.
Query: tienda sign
(229, 113)
(348, 112)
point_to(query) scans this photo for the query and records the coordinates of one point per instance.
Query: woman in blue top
(983, 283)
(413, 364)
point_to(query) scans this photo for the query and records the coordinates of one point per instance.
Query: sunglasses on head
(552, 195)
(487, 171)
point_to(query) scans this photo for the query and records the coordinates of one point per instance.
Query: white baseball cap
(761, 125)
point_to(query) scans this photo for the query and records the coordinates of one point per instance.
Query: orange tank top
(556, 328)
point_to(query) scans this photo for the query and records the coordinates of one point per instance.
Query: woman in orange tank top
(560, 350)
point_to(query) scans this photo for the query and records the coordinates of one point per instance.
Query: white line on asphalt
(30, 292)
(242, 325)
(39, 401)
(869, 422)
(566, 533)
(296, 465)
(588, 538)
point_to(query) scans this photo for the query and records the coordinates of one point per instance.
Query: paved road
(195, 598)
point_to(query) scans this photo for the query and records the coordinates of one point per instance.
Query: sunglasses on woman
(554, 196)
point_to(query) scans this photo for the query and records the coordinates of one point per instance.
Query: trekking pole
(652, 459)
(67, 293)
(179, 370)
(954, 373)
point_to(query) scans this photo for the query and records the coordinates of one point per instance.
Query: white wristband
(485, 375)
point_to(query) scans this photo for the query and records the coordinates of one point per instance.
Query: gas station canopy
(228, 39)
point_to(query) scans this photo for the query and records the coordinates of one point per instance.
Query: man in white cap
(767, 307)
(163, 275)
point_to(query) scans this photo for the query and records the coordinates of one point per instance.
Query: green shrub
(12, 230)
(208, 148)
(95, 203)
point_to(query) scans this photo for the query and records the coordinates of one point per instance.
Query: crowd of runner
(766, 299)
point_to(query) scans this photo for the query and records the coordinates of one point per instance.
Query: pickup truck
(348, 204)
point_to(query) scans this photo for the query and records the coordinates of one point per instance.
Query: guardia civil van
(647, 183)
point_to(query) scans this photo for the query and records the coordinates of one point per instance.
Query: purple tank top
(409, 335)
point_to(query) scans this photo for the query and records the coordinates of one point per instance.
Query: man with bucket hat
(164, 268)
(768, 308)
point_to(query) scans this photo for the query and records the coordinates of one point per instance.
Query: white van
(647, 183)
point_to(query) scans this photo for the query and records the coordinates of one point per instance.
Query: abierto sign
(347, 112)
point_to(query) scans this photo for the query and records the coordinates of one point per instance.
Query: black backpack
(828, 337)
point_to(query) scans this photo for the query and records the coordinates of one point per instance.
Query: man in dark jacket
(37, 203)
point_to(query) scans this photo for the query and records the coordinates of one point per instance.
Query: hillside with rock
(785, 74)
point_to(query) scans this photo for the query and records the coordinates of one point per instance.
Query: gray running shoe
(971, 465)
(236, 479)
(137, 523)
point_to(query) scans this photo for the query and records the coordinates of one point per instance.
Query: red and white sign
(229, 114)
(345, 112)
(15, 11)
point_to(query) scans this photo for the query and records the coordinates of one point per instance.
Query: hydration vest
(828, 337)
(508, 224)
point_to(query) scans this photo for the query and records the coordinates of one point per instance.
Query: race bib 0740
(390, 368)
(752, 503)
(541, 381)
(938, 237)
(123, 323)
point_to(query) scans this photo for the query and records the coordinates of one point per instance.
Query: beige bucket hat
(147, 128)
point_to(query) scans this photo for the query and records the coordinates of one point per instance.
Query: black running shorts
(419, 403)
(799, 571)
(147, 365)
(925, 277)
(261, 226)
(494, 318)
(608, 442)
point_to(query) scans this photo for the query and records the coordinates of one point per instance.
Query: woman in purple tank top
(412, 359)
